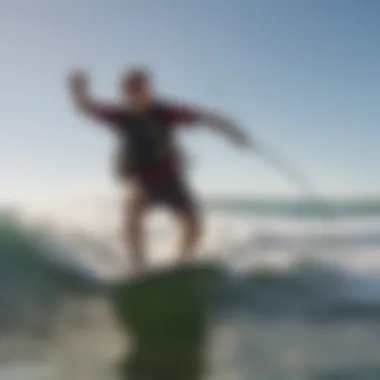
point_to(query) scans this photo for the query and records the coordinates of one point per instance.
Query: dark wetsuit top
(147, 138)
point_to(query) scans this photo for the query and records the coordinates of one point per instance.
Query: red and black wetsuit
(147, 141)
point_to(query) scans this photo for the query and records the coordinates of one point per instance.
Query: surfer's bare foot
(136, 271)
(185, 259)
(137, 264)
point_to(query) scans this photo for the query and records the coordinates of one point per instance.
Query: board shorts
(172, 193)
(165, 187)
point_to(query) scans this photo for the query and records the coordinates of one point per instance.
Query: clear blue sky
(302, 75)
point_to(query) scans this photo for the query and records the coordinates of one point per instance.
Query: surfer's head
(136, 86)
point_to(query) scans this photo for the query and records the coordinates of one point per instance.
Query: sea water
(306, 302)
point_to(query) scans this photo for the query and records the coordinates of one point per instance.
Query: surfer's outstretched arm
(220, 124)
(86, 104)
(226, 127)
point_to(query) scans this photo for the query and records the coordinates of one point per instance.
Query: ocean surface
(307, 282)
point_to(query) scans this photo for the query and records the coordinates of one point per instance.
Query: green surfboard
(165, 312)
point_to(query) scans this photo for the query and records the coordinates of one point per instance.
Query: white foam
(242, 239)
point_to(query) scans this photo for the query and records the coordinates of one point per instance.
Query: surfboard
(165, 312)
(166, 293)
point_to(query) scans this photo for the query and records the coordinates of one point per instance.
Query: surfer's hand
(78, 82)
(241, 140)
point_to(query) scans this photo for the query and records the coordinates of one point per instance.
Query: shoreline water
(313, 285)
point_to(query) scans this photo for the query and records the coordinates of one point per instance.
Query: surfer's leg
(178, 198)
(190, 224)
(136, 206)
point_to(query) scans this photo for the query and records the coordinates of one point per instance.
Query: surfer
(148, 156)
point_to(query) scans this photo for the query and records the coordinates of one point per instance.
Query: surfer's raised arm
(79, 89)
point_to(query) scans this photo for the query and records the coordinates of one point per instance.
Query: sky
(302, 76)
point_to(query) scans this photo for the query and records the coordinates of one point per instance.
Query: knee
(134, 211)
(133, 219)
(193, 223)
(132, 222)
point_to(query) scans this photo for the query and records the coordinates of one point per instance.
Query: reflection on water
(296, 350)
(242, 348)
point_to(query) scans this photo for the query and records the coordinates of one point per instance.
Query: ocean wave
(36, 279)
(42, 276)
(313, 291)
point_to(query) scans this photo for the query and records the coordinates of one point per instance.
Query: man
(148, 156)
